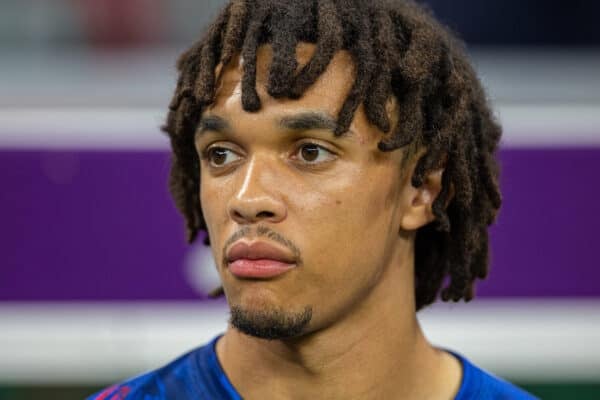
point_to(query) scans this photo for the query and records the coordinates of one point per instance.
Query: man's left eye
(312, 153)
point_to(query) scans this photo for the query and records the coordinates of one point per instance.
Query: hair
(399, 50)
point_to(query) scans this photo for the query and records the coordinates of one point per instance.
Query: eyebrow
(303, 121)
(213, 123)
(308, 120)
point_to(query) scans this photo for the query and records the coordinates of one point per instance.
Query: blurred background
(97, 283)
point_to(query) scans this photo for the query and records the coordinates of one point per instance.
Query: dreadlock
(399, 50)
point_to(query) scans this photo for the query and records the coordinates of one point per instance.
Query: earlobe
(420, 200)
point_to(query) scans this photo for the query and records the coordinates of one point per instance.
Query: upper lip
(257, 251)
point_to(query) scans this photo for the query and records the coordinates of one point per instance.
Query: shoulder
(480, 384)
(185, 377)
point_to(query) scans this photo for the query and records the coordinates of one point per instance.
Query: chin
(270, 322)
(259, 312)
(256, 295)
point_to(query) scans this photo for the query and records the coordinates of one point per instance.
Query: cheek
(213, 200)
(347, 223)
(360, 199)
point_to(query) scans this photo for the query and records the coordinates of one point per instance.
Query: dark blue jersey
(198, 375)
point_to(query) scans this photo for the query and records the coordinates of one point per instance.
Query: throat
(355, 366)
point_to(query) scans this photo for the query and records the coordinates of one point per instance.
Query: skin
(352, 215)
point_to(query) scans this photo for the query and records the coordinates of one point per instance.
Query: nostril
(243, 216)
(265, 214)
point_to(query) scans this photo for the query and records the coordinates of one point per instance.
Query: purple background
(100, 225)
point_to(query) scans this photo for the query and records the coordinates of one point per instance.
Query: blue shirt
(198, 375)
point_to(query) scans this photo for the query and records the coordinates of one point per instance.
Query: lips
(258, 260)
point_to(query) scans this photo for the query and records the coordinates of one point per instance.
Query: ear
(420, 200)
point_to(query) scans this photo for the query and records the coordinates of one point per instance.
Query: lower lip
(262, 268)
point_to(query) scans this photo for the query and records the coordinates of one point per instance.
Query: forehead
(327, 93)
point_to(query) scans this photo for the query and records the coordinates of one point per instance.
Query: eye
(220, 156)
(312, 153)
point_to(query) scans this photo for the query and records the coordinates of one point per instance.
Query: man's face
(279, 177)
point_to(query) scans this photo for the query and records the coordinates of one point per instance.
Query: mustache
(262, 231)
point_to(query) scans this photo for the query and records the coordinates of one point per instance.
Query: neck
(376, 351)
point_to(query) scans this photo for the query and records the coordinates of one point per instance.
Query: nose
(256, 199)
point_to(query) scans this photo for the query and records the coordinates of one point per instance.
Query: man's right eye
(220, 156)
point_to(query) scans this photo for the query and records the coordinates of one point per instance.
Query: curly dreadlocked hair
(398, 49)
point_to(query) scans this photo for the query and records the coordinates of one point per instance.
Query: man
(340, 156)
